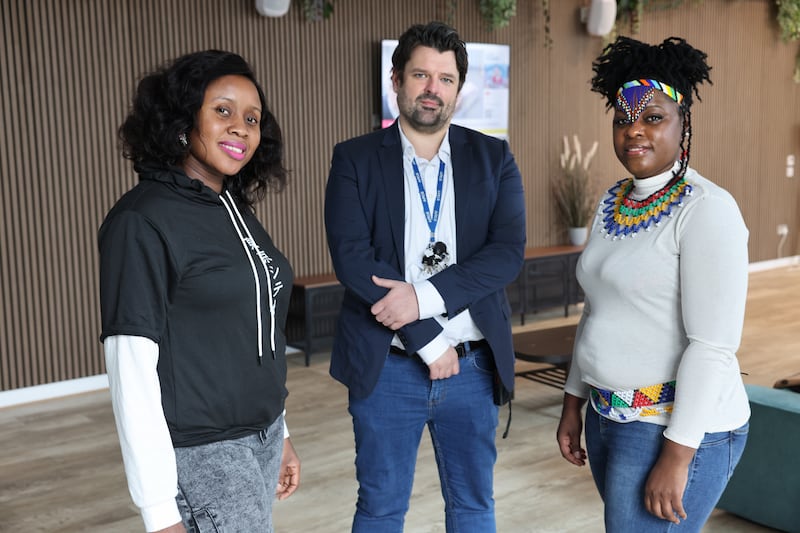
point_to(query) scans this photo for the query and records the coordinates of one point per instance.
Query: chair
(552, 347)
(765, 487)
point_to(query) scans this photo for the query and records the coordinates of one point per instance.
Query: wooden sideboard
(313, 310)
(547, 280)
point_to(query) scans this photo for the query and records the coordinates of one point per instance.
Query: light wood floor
(60, 466)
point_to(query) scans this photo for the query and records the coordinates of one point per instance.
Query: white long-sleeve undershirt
(147, 452)
(455, 329)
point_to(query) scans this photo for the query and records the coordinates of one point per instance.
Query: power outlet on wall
(783, 230)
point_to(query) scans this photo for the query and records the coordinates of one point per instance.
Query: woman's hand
(289, 474)
(663, 492)
(569, 430)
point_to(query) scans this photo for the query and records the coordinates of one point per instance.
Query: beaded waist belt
(628, 405)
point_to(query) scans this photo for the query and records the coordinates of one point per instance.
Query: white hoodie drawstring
(249, 243)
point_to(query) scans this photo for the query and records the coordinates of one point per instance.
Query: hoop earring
(183, 140)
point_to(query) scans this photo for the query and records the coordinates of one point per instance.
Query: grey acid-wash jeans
(229, 486)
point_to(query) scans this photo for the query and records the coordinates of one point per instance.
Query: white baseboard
(64, 388)
(52, 390)
(775, 263)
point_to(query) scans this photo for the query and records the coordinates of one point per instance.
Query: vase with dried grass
(574, 190)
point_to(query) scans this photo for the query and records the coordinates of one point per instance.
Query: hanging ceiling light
(599, 16)
(272, 8)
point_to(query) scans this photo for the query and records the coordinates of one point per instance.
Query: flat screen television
(483, 101)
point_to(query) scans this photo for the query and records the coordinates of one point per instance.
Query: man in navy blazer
(426, 228)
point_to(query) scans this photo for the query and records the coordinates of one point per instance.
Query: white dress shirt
(459, 328)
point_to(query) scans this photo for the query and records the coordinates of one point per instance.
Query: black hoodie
(187, 268)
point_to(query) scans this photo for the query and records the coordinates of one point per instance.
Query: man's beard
(426, 121)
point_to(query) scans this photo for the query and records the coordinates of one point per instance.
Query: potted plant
(574, 190)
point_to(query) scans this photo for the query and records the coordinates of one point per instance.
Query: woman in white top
(665, 278)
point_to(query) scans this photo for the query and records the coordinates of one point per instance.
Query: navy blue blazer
(364, 220)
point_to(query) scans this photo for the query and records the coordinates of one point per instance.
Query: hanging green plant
(789, 21)
(497, 13)
(450, 11)
(316, 10)
(631, 12)
(548, 40)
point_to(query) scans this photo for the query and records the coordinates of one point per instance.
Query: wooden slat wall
(67, 71)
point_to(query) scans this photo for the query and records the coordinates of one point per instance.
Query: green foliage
(789, 19)
(316, 10)
(548, 39)
(632, 11)
(450, 12)
(497, 13)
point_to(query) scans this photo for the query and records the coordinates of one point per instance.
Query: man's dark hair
(436, 35)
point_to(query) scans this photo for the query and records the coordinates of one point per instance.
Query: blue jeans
(621, 456)
(230, 485)
(388, 426)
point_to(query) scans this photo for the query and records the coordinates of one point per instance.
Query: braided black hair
(674, 62)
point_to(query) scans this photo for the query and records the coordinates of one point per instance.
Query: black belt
(461, 348)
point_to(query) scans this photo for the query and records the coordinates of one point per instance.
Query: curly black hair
(166, 104)
(674, 62)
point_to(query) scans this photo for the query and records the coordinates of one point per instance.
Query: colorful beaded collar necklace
(623, 216)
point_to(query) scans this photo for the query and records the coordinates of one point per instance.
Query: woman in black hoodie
(194, 297)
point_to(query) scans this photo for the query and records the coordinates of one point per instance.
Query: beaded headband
(634, 96)
(661, 86)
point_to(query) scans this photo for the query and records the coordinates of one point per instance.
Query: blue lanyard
(433, 219)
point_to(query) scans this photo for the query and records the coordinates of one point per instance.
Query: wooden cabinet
(313, 311)
(547, 280)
